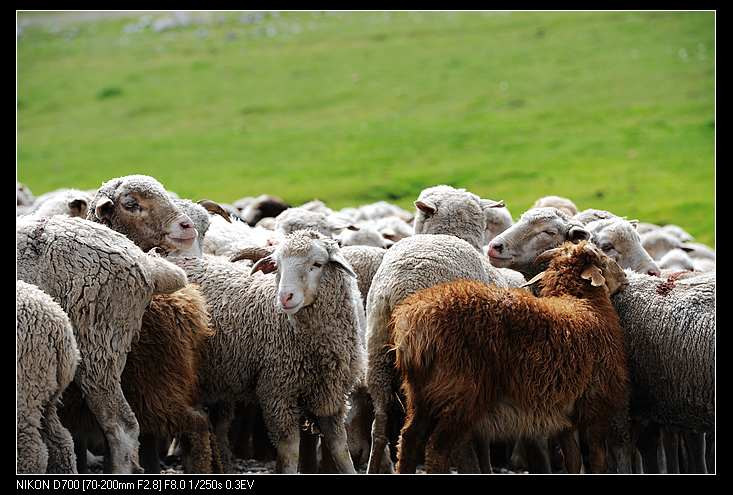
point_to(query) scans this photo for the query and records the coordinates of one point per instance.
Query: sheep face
(538, 230)
(139, 207)
(618, 239)
(658, 243)
(457, 212)
(300, 260)
(294, 219)
(497, 221)
(589, 261)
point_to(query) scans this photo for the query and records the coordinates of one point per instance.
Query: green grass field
(614, 110)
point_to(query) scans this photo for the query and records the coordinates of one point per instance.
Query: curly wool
(365, 261)
(104, 283)
(670, 339)
(304, 365)
(71, 202)
(47, 357)
(414, 263)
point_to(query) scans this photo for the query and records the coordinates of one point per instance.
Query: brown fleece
(538, 365)
(160, 379)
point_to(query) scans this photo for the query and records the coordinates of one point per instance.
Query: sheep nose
(185, 224)
(285, 298)
(496, 246)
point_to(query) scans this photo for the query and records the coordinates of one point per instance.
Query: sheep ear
(215, 208)
(104, 208)
(488, 203)
(265, 265)
(78, 207)
(339, 224)
(593, 273)
(390, 235)
(341, 263)
(426, 207)
(534, 279)
(578, 233)
(687, 249)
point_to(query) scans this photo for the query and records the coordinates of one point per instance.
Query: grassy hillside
(614, 110)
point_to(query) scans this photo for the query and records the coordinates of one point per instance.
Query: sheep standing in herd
(305, 322)
(46, 363)
(670, 339)
(472, 353)
(104, 283)
(182, 349)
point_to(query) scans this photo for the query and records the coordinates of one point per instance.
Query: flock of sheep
(372, 337)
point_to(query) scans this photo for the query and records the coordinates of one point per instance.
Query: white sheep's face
(618, 239)
(298, 278)
(537, 231)
(299, 261)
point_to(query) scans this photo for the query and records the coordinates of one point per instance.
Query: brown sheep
(160, 383)
(538, 365)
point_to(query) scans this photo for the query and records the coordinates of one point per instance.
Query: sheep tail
(166, 276)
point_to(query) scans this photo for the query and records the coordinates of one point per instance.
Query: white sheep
(104, 282)
(305, 321)
(557, 202)
(70, 202)
(47, 357)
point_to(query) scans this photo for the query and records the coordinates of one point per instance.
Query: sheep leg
(695, 443)
(648, 446)
(195, 442)
(465, 458)
(482, 446)
(32, 452)
(61, 458)
(557, 460)
(671, 442)
(538, 457)
(149, 459)
(119, 425)
(221, 417)
(619, 442)
(710, 452)
(597, 450)
(441, 443)
(308, 452)
(413, 439)
(571, 451)
(380, 385)
(334, 437)
(80, 451)
(287, 453)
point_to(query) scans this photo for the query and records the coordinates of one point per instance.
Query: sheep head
(536, 231)
(618, 238)
(139, 207)
(584, 260)
(299, 261)
(447, 210)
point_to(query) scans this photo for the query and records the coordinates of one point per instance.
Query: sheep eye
(606, 247)
(317, 265)
(550, 232)
(131, 206)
